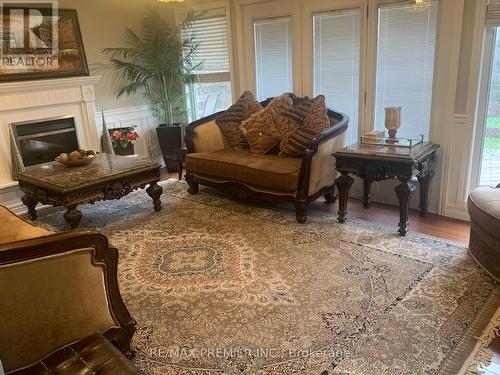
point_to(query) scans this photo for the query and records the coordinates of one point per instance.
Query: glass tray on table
(402, 142)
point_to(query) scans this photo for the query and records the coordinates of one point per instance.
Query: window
(212, 90)
(487, 148)
(405, 65)
(273, 57)
(336, 37)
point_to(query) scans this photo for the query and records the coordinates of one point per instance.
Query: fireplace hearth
(42, 141)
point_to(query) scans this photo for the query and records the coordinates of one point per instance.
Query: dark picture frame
(69, 54)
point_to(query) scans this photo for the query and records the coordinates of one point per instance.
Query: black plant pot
(170, 138)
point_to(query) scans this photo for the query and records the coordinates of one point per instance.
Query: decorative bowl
(79, 162)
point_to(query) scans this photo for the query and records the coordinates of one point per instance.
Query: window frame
(371, 63)
(211, 8)
(312, 8)
(249, 11)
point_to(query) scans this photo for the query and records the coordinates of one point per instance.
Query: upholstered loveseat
(60, 307)
(484, 212)
(300, 180)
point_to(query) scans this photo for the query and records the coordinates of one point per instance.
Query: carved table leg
(30, 202)
(73, 216)
(367, 186)
(180, 170)
(424, 182)
(343, 183)
(331, 196)
(405, 192)
(155, 191)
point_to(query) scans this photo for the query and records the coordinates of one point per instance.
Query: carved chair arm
(191, 131)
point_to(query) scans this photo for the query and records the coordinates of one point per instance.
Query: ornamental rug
(219, 286)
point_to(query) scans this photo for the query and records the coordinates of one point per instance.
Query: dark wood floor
(433, 225)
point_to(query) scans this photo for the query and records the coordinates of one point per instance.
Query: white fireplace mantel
(37, 100)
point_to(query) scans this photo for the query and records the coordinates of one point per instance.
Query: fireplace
(43, 140)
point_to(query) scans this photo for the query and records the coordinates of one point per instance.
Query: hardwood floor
(433, 225)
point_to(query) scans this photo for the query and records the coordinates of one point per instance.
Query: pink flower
(132, 135)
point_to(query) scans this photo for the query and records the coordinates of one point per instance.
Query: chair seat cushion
(93, 355)
(268, 171)
(487, 199)
(16, 229)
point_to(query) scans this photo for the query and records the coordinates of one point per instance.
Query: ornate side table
(384, 162)
(180, 156)
(108, 177)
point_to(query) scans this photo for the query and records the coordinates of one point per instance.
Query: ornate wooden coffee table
(376, 163)
(108, 177)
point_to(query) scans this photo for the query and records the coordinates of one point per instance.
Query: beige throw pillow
(260, 130)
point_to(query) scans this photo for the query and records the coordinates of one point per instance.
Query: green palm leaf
(157, 64)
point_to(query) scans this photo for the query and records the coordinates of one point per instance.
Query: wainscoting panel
(141, 118)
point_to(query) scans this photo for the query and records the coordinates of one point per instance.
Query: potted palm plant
(159, 64)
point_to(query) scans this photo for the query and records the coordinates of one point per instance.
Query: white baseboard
(457, 213)
(18, 208)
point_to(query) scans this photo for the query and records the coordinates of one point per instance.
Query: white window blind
(213, 50)
(493, 14)
(211, 91)
(336, 63)
(405, 65)
(273, 57)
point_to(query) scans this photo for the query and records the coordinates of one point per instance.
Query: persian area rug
(223, 287)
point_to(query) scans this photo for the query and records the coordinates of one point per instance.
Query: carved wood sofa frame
(302, 197)
(42, 248)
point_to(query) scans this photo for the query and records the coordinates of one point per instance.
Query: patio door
(486, 164)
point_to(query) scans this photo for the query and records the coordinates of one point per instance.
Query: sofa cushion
(317, 118)
(16, 229)
(291, 119)
(315, 122)
(487, 199)
(269, 171)
(230, 120)
(260, 130)
(297, 142)
(93, 355)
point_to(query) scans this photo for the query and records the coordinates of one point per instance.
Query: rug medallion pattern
(219, 287)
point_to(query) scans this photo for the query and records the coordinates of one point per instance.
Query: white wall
(102, 24)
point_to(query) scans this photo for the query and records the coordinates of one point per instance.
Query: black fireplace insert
(42, 141)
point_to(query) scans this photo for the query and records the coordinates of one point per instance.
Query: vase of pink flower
(123, 140)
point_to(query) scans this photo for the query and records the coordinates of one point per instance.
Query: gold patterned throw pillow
(230, 120)
(315, 121)
(260, 130)
(317, 117)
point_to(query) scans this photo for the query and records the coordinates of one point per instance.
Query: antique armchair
(60, 307)
(484, 211)
(300, 180)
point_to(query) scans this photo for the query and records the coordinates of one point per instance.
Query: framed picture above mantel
(40, 43)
